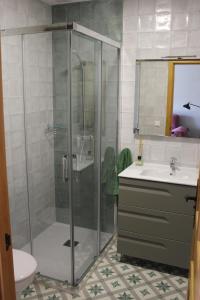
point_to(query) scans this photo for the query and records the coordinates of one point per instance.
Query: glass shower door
(46, 104)
(85, 80)
(109, 138)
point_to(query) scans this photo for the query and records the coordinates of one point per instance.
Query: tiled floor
(112, 279)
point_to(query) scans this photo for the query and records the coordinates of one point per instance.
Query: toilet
(25, 267)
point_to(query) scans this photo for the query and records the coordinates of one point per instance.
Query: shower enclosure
(61, 118)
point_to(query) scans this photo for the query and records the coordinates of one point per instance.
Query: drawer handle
(144, 217)
(191, 198)
(145, 190)
(143, 242)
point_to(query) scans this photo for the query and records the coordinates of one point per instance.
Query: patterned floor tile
(96, 289)
(145, 292)
(175, 296)
(30, 291)
(134, 279)
(113, 278)
(151, 275)
(163, 287)
(115, 284)
(125, 296)
(179, 282)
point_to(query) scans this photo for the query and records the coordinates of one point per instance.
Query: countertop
(161, 173)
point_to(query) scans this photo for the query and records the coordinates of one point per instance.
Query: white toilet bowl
(24, 268)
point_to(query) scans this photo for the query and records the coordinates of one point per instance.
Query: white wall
(152, 29)
(187, 89)
(39, 106)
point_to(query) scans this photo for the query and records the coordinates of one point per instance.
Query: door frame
(7, 281)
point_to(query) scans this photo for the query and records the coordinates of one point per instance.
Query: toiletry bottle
(139, 161)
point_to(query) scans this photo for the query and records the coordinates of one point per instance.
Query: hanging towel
(124, 160)
(109, 172)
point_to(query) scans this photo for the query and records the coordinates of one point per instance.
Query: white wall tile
(146, 23)
(130, 8)
(178, 22)
(147, 6)
(180, 5)
(145, 40)
(194, 40)
(163, 22)
(194, 20)
(19, 13)
(179, 39)
(162, 39)
(163, 6)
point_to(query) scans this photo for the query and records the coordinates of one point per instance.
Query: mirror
(168, 98)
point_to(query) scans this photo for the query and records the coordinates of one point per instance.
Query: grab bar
(65, 167)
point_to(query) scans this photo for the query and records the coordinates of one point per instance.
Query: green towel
(109, 172)
(124, 160)
(112, 167)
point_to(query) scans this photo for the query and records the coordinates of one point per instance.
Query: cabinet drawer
(154, 195)
(157, 223)
(155, 249)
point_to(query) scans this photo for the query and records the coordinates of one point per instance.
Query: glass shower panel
(109, 138)
(85, 80)
(12, 68)
(46, 147)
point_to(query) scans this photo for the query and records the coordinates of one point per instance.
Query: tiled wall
(38, 102)
(152, 29)
(103, 16)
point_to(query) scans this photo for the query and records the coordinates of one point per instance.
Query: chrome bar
(36, 29)
(65, 168)
(117, 137)
(60, 26)
(93, 34)
(99, 137)
(70, 161)
(26, 148)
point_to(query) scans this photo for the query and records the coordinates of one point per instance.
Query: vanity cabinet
(155, 221)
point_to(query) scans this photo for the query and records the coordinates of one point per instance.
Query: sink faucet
(172, 164)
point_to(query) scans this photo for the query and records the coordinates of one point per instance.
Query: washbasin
(165, 173)
(162, 173)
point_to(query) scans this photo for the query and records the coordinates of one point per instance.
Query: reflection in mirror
(168, 98)
(184, 100)
(151, 94)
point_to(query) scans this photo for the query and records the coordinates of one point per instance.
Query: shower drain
(68, 243)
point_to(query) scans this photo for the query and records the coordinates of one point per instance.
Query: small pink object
(180, 131)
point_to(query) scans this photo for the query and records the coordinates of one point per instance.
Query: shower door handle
(65, 168)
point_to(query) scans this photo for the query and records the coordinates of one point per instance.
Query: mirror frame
(170, 92)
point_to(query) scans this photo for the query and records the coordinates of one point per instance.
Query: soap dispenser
(139, 161)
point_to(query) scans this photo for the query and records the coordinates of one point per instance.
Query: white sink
(162, 173)
(165, 173)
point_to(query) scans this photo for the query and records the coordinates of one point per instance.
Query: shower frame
(70, 27)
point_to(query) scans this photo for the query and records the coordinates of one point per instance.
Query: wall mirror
(167, 100)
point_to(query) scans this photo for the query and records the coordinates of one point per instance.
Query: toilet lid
(24, 264)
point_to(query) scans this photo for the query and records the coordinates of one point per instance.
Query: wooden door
(194, 278)
(7, 283)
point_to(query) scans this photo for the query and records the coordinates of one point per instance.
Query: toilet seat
(24, 265)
